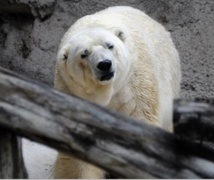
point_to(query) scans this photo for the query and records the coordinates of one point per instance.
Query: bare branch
(11, 161)
(114, 142)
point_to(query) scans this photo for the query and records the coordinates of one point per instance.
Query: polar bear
(124, 60)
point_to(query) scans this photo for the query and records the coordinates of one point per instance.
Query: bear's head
(95, 56)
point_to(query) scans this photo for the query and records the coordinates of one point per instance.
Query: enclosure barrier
(122, 146)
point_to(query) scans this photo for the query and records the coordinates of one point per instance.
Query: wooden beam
(122, 146)
(194, 120)
(11, 160)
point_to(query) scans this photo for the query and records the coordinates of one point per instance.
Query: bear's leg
(68, 167)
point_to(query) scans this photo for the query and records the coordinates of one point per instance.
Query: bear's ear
(63, 54)
(120, 34)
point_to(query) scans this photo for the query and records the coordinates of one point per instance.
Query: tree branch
(122, 146)
(194, 120)
(11, 161)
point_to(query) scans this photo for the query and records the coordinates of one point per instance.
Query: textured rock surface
(30, 32)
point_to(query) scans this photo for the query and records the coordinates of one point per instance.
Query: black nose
(104, 65)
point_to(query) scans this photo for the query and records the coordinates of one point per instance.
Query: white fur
(146, 65)
(84, 84)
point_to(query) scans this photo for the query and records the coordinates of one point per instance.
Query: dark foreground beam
(11, 161)
(118, 144)
(194, 120)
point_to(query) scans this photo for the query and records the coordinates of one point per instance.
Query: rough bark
(122, 146)
(194, 120)
(11, 161)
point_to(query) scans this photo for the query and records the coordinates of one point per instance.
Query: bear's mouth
(106, 77)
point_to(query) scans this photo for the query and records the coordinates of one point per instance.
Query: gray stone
(30, 35)
(39, 9)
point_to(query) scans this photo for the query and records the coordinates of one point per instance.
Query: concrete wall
(30, 32)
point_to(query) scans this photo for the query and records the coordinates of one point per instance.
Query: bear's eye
(85, 54)
(109, 46)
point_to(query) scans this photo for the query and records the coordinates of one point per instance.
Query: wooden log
(123, 146)
(194, 120)
(11, 161)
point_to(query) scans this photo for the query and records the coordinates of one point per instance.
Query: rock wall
(30, 32)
